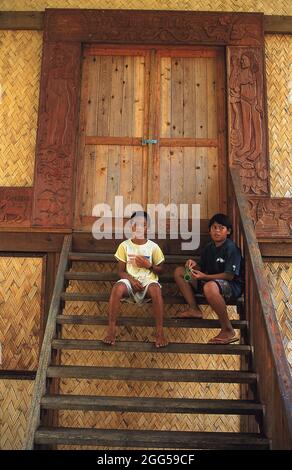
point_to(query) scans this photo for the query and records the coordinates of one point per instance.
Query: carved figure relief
(54, 167)
(54, 178)
(15, 206)
(154, 27)
(272, 217)
(247, 133)
(53, 206)
(61, 95)
(57, 136)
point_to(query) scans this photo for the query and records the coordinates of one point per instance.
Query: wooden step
(147, 321)
(168, 299)
(135, 346)
(109, 257)
(154, 375)
(151, 405)
(149, 439)
(107, 276)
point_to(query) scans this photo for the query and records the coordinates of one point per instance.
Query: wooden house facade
(157, 106)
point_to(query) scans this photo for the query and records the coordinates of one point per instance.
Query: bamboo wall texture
(276, 7)
(20, 60)
(279, 87)
(280, 279)
(15, 398)
(20, 306)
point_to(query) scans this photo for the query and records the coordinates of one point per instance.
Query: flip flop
(223, 341)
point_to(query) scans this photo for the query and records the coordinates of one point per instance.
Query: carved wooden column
(247, 119)
(57, 135)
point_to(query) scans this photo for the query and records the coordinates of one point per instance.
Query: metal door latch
(149, 141)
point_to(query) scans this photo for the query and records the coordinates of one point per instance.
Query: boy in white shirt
(139, 263)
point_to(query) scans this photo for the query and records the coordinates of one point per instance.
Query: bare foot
(161, 341)
(110, 338)
(191, 313)
(224, 338)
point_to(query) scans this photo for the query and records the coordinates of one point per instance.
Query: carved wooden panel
(272, 217)
(15, 207)
(247, 118)
(154, 27)
(64, 32)
(57, 135)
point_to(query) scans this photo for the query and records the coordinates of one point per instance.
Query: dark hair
(221, 219)
(141, 214)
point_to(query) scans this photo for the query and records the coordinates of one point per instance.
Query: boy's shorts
(224, 287)
(136, 297)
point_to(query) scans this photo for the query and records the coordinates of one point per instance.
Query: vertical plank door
(113, 120)
(188, 164)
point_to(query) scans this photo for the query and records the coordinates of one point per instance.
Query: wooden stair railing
(46, 349)
(269, 358)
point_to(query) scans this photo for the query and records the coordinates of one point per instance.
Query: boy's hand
(190, 264)
(142, 262)
(137, 286)
(198, 275)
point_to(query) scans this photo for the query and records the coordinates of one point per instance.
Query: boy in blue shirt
(219, 276)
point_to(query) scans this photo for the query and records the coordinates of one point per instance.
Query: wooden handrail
(270, 361)
(45, 354)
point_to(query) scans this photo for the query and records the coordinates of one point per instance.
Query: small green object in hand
(188, 274)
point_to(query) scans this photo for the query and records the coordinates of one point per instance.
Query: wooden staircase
(40, 434)
(265, 407)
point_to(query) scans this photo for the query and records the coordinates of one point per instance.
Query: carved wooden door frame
(64, 33)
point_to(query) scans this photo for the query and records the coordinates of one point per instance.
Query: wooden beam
(276, 248)
(273, 24)
(277, 24)
(22, 20)
(35, 242)
(17, 374)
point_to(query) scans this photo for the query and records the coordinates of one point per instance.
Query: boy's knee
(154, 291)
(118, 289)
(210, 288)
(179, 272)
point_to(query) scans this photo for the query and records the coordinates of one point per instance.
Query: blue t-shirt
(225, 258)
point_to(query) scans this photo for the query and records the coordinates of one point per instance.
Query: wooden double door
(152, 128)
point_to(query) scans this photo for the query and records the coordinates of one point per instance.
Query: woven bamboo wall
(279, 86)
(20, 306)
(276, 7)
(280, 278)
(15, 398)
(20, 59)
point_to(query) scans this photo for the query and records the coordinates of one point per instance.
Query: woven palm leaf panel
(276, 7)
(20, 62)
(15, 400)
(280, 279)
(20, 306)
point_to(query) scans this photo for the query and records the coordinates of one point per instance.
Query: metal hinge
(149, 141)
